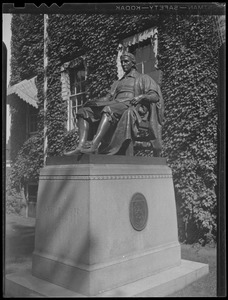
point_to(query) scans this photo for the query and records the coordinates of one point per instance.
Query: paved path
(19, 242)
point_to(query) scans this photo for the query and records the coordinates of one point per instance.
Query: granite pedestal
(104, 222)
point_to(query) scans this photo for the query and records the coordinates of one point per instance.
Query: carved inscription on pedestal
(138, 212)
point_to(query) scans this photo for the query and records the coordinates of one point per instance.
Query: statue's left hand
(136, 100)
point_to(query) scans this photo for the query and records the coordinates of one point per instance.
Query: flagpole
(45, 85)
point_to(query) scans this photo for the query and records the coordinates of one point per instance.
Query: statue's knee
(109, 114)
(83, 113)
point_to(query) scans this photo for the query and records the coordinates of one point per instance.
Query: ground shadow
(19, 242)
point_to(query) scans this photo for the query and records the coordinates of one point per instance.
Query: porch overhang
(25, 90)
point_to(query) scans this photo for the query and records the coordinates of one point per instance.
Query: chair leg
(157, 148)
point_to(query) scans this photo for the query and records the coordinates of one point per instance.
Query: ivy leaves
(189, 63)
(28, 162)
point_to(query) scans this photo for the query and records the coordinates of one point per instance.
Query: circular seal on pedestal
(138, 211)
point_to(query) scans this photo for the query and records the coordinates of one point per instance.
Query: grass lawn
(207, 285)
(19, 245)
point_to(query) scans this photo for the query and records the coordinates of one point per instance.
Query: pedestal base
(105, 223)
(158, 285)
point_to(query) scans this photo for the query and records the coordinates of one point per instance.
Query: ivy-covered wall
(188, 57)
(189, 60)
(26, 62)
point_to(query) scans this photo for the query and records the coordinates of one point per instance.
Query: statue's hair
(130, 55)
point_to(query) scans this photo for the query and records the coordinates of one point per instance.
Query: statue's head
(128, 61)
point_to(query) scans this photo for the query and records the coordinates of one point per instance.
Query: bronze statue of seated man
(126, 94)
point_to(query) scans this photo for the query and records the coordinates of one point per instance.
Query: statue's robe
(146, 113)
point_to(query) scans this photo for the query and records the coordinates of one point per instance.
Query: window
(32, 192)
(144, 46)
(77, 93)
(33, 123)
(144, 55)
(74, 74)
(32, 114)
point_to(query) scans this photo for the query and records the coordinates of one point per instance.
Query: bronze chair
(147, 139)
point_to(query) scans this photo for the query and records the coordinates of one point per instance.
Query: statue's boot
(101, 131)
(83, 135)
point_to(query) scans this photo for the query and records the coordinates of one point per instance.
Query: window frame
(66, 90)
(30, 120)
